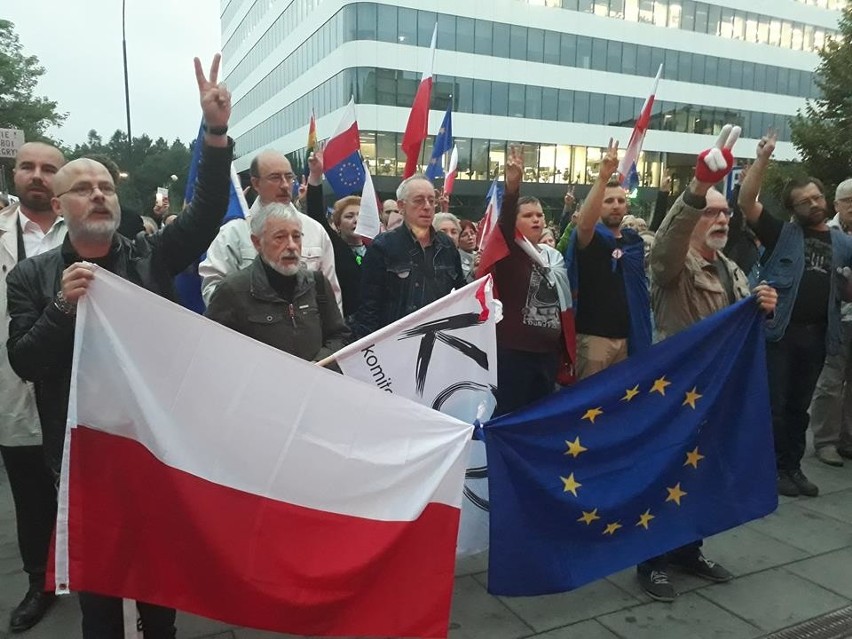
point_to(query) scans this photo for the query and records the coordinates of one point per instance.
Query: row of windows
(486, 159)
(701, 17)
(230, 11)
(368, 21)
(284, 25)
(834, 5)
(397, 88)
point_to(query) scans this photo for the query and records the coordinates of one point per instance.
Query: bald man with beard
(44, 291)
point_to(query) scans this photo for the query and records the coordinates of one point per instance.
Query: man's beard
(92, 231)
(612, 221)
(716, 242)
(811, 218)
(34, 204)
(285, 270)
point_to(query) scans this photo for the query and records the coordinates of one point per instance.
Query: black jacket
(41, 337)
(309, 326)
(397, 279)
(346, 265)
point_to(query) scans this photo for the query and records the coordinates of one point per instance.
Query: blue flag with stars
(651, 454)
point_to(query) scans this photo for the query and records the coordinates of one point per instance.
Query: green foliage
(150, 164)
(822, 131)
(19, 74)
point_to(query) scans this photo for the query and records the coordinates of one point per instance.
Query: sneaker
(829, 455)
(702, 567)
(786, 485)
(805, 486)
(656, 585)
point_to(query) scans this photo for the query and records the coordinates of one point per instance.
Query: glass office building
(559, 77)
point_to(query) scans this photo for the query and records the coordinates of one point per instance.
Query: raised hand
(767, 145)
(315, 166)
(514, 169)
(717, 161)
(569, 199)
(609, 162)
(214, 97)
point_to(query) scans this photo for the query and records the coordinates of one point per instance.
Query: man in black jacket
(409, 267)
(43, 293)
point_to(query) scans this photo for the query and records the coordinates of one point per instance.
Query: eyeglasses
(86, 190)
(714, 213)
(814, 199)
(278, 178)
(422, 201)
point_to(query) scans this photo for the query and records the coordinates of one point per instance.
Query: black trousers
(103, 618)
(661, 563)
(523, 377)
(794, 364)
(34, 494)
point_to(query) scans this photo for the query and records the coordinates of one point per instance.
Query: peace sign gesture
(215, 98)
(716, 162)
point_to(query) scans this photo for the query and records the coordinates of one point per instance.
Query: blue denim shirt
(394, 277)
(783, 270)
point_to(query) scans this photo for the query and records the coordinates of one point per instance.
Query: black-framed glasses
(728, 213)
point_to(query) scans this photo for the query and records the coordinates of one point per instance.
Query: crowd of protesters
(599, 286)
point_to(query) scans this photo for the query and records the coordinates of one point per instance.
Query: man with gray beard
(43, 293)
(276, 300)
(690, 279)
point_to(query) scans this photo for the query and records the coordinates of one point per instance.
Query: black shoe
(845, 451)
(786, 485)
(805, 486)
(656, 585)
(30, 611)
(702, 567)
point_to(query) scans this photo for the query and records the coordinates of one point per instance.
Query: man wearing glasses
(408, 267)
(691, 279)
(809, 265)
(831, 409)
(272, 178)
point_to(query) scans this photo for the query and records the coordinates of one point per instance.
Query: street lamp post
(126, 84)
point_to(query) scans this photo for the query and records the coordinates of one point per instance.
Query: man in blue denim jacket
(409, 267)
(809, 265)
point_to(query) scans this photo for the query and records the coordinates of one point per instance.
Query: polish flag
(211, 473)
(634, 147)
(489, 238)
(418, 119)
(452, 169)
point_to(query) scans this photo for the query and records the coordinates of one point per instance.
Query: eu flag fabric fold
(642, 458)
(443, 145)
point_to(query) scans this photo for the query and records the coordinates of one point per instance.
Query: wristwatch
(65, 307)
(215, 130)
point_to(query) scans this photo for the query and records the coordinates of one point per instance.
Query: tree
(19, 107)
(151, 164)
(822, 131)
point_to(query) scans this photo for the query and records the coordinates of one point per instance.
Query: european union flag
(651, 454)
(443, 145)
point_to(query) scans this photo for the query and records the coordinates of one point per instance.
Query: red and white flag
(489, 238)
(209, 472)
(443, 356)
(452, 169)
(634, 147)
(418, 118)
(369, 224)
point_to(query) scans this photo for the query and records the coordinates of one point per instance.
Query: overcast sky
(78, 42)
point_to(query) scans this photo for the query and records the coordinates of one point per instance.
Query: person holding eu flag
(691, 279)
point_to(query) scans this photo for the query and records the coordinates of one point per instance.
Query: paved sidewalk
(792, 566)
